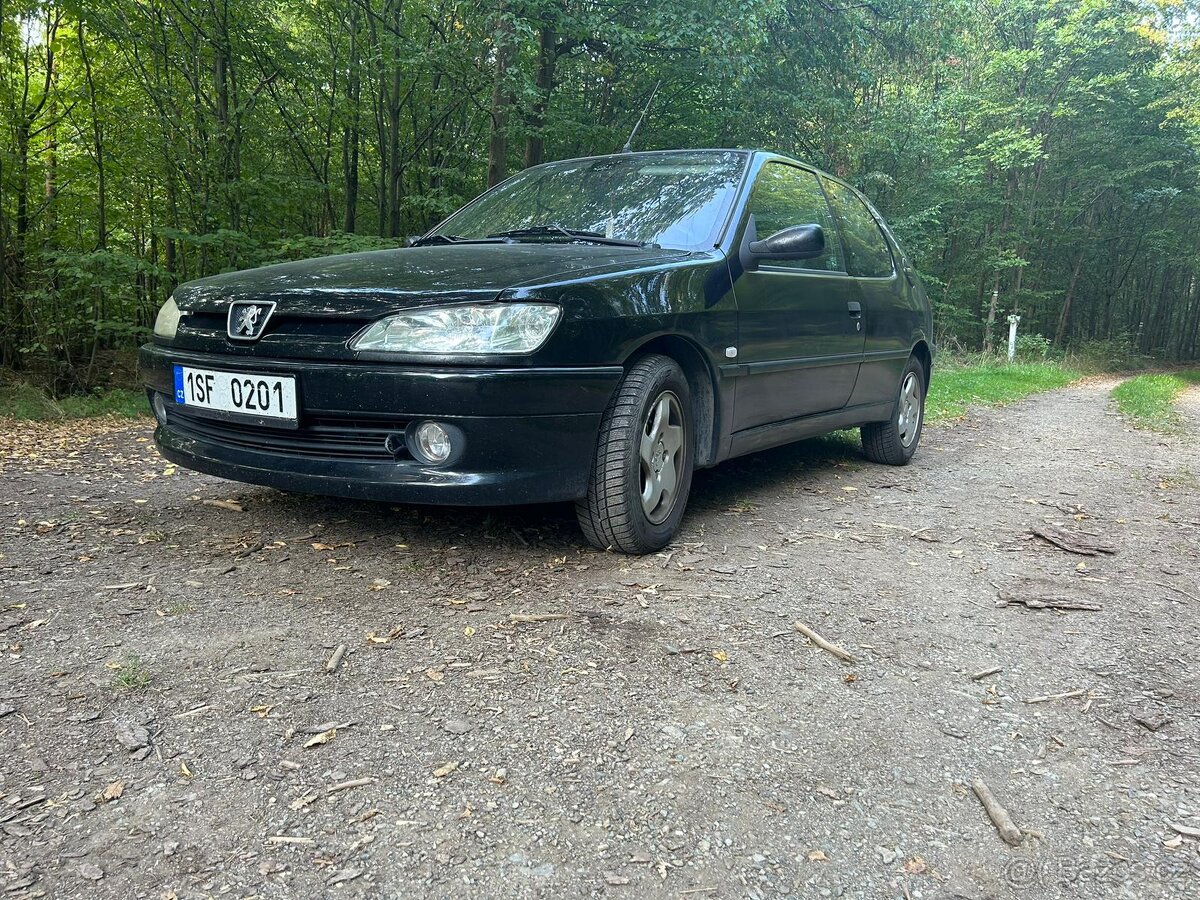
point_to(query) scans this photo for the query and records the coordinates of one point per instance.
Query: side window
(785, 196)
(867, 253)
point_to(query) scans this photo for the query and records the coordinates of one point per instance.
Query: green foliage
(1116, 355)
(21, 400)
(1044, 150)
(952, 390)
(1148, 401)
(1033, 347)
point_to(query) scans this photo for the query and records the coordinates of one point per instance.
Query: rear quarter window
(867, 253)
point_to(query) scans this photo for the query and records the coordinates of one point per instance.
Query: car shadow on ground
(744, 483)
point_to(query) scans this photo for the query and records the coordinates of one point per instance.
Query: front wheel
(895, 441)
(642, 473)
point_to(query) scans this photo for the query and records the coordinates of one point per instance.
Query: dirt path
(670, 735)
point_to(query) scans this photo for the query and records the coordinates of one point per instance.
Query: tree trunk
(1010, 189)
(350, 134)
(1064, 317)
(97, 144)
(395, 171)
(535, 141)
(501, 102)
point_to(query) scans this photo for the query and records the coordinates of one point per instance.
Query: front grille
(317, 438)
(280, 325)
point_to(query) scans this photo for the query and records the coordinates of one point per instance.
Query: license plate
(261, 396)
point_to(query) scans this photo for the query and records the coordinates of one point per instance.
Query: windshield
(676, 200)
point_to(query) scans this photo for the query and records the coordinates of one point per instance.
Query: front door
(800, 337)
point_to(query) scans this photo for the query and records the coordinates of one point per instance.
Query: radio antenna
(628, 148)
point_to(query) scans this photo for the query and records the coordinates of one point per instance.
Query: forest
(1037, 157)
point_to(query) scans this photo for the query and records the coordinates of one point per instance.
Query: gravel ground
(168, 726)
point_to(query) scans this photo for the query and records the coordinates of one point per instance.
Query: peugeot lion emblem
(248, 319)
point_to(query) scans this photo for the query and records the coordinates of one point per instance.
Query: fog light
(160, 408)
(433, 443)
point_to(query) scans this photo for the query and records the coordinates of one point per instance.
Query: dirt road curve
(669, 734)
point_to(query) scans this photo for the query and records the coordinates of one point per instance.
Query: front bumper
(530, 434)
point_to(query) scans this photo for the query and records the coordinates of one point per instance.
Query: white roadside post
(1012, 337)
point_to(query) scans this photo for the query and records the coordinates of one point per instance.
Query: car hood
(365, 284)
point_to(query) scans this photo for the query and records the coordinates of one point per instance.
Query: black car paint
(531, 421)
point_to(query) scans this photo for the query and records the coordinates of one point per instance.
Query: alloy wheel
(909, 421)
(661, 456)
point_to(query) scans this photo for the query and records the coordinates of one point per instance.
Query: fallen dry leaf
(916, 866)
(318, 739)
(231, 505)
(112, 792)
(301, 802)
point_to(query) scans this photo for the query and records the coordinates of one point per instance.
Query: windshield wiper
(571, 233)
(438, 239)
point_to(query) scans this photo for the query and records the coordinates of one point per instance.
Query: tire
(628, 506)
(894, 442)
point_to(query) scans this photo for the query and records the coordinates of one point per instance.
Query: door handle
(855, 309)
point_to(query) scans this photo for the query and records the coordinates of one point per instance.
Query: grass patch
(1148, 401)
(21, 400)
(131, 675)
(989, 384)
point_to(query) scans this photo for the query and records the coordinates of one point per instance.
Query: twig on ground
(837, 651)
(1172, 587)
(1072, 542)
(1069, 695)
(1008, 829)
(1066, 603)
(336, 659)
(352, 783)
(995, 670)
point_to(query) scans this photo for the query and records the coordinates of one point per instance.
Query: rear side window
(867, 253)
(785, 196)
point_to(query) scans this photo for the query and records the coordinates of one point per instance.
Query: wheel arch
(924, 353)
(702, 381)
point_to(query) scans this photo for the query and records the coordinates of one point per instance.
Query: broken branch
(336, 659)
(825, 645)
(1072, 541)
(1008, 829)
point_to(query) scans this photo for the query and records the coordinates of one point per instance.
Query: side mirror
(797, 242)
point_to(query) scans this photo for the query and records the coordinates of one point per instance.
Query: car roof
(758, 153)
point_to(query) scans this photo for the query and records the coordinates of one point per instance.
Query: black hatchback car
(590, 330)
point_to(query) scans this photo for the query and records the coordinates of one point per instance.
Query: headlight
(487, 328)
(167, 322)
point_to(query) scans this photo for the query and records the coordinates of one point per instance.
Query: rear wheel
(895, 441)
(642, 473)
